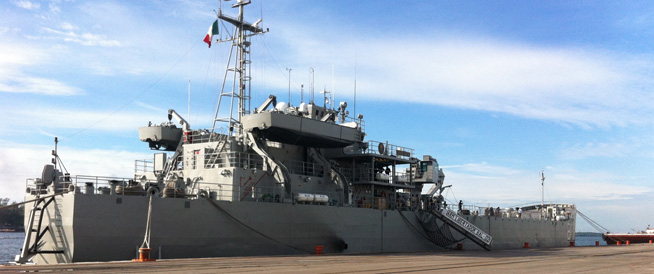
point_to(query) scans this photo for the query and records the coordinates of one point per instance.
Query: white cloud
(634, 146)
(17, 82)
(150, 107)
(28, 5)
(15, 58)
(54, 8)
(20, 55)
(45, 117)
(67, 26)
(483, 168)
(598, 149)
(85, 39)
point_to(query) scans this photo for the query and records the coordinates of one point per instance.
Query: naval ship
(274, 180)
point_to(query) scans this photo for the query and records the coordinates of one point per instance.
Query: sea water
(10, 245)
(589, 240)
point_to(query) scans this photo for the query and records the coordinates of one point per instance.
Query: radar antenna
(240, 91)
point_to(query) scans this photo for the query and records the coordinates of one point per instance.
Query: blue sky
(495, 90)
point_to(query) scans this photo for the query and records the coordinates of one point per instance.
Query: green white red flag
(213, 30)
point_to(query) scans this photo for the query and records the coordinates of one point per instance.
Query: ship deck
(606, 259)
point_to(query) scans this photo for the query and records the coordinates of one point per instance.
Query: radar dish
(48, 175)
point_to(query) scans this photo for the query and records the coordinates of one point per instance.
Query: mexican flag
(212, 31)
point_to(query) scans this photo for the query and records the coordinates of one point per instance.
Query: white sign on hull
(463, 223)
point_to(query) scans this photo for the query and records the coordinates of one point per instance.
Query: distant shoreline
(592, 234)
(12, 230)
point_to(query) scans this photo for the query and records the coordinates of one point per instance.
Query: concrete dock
(604, 259)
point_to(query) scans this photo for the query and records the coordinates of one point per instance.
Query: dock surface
(635, 258)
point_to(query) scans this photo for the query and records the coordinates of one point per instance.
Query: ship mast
(542, 190)
(241, 79)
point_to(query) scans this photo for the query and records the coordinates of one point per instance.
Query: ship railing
(386, 149)
(66, 183)
(401, 178)
(508, 213)
(89, 184)
(234, 159)
(260, 194)
(254, 161)
(363, 197)
(304, 168)
(143, 166)
(480, 210)
(361, 124)
(203, 136)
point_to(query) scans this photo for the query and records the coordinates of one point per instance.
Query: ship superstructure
(276, 179)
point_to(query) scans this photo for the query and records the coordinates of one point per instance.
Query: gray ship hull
(111, 227)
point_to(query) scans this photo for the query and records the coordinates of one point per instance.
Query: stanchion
(319, 249)
(617, 243)
(572, 243)
(526, 245)
(596, 243)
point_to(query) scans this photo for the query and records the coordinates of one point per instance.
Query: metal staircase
(215, 152)
(36, 229)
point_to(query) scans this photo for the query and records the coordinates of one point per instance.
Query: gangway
(464, 227)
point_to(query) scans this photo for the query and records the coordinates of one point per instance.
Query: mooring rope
(254, 230)
(148, 228)
(594, 224)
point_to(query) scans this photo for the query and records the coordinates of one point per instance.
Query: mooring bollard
(144, 255)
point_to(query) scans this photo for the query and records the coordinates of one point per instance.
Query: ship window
(423, 166)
